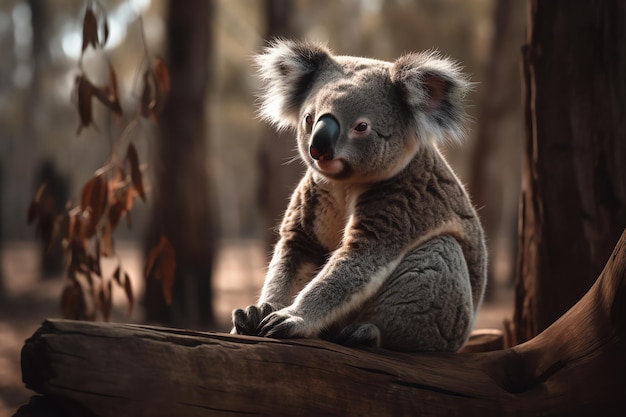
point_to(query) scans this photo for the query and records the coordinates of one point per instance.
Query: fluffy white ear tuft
(434, 89)
(287, 70)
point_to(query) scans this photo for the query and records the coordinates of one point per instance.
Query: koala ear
(287, 70)
(434, 89)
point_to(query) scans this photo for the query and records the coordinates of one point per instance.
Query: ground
(28, 300)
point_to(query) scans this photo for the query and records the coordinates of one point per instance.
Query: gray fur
(380, 243)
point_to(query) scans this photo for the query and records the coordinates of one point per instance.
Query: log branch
(575, 367)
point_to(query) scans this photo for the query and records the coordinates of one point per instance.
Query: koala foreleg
(288, 272)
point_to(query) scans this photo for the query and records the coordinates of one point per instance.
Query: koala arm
(297, 256)
(288, 271)
(348, 279)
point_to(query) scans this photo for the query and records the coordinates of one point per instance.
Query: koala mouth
(330, 166)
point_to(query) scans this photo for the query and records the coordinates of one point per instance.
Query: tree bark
(576, 367)
(498, 138)
(181, 210)
(573, 200)
(280, 167)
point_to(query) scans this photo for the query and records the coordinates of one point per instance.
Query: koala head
(360, 119)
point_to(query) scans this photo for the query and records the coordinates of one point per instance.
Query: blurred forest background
(221, 175)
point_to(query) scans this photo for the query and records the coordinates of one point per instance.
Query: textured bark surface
(181, 210)
(573, 202)
(280, 167)
(576, 367)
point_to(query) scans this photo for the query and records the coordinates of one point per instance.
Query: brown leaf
(84, 91)
(128, 289)
(78, 255)
(90, 30)
(89, 278)
(33, 209)
(106, 237)
(92, 265)
(69, 302)
(122, 198)
(105, 32)
(108, 94)
(147, 96)
(94, 199)
(115, 105)
(73, 302)
(103, 95)
(117, 275)
(105, 300)
(162, 266)
(162, 75)
(135, 172)
(116, 211)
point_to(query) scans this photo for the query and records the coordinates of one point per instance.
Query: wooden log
(576, 367)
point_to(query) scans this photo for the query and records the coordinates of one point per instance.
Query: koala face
(359, 119)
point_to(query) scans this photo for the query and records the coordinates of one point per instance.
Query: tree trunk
(573, 200)
(181, 210)
(498, 138)
(576, 367)
(279, 171)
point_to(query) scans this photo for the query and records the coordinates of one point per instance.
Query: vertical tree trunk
(573, 200)
(279, 177)
(497, 133)
(181, 209)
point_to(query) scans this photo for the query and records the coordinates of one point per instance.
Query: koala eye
(361, 127)
(308, 119)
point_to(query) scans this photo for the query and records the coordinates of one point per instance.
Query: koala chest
(332, 212)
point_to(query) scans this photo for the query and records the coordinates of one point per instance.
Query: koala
(380, 244)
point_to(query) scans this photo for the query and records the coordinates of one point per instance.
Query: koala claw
(247, 322)
(281, 325)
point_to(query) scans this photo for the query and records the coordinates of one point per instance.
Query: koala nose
(324, 138)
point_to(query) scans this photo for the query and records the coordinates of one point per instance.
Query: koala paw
(247, 322)
(283, 324)
(357, 335)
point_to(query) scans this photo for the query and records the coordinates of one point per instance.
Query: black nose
(324, 138)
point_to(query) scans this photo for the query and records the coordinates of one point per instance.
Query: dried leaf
(89, 279)
(147, 96)
(72, 302)
(135, 172)
(105, 32)
(117, 275)
(107, 248)
(122, 200)
(108, 94)
(114, 98)
(33, 209)
(162, 75)
(116, 211)
(78, 255)
(105, 97)
(84, 91)
(162, 266)
(94, 199)
(128, 289)
(105, 300)
(79, 226)
(92, 265)
(90, 30)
